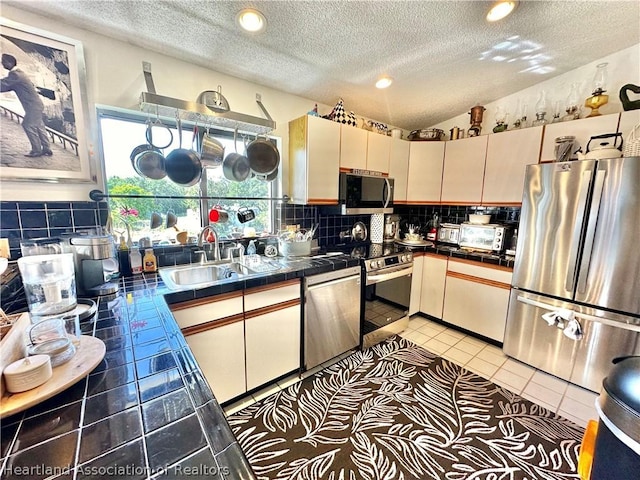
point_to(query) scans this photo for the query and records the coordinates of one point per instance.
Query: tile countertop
(146, 410)
(455, 252)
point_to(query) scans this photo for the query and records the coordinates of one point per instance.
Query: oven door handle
(389, 275)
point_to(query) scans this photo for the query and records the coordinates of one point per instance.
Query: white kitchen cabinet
(272, 344)
(424, 181)
(314, 160)
(416, 284)
(477, 298)
(583, 129)
(219, 350)
(463, 172)
(378, 152)
(508, 154)
(214, 330)
(272, 332)
(628, 120)
(205, 310)
(399, 169)
(353, 147)
(434, 273)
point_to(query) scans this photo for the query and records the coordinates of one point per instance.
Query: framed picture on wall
(43, 111)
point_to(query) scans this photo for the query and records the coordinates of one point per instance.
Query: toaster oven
(449, 233)
(488, 238)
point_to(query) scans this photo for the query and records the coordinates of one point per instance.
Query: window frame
(273, 188)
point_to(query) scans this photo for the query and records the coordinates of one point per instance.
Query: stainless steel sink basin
(194, 276)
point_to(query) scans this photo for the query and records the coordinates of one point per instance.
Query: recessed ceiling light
(251, 20)
(384, 82)
(501, 9)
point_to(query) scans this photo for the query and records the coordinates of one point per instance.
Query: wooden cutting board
(88, 355)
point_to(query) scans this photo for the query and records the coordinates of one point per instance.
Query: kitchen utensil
(604, 149)
(628, 104)
(183, 166)
(263, 156)
(359, 232)
(42, 330)
(632, 146)
(426, 134)
(167, 131)
(156, 220)
(172, 221)
(148, 161)
(49, 283)
(214, 100)
(27, 373)
(267, 178)
(217, 215)
(235, 166)
(246, 214)
(564, 148)
(59, 350)
(479, 219)
(211, 151)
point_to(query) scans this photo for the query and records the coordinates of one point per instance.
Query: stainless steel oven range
(387, 289)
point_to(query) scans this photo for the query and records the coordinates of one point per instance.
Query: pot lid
(623, 383)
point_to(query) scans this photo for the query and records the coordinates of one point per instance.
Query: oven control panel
(389, 261)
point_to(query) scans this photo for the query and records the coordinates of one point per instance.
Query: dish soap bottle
(251, 249)
(135, 260)
(149, 261)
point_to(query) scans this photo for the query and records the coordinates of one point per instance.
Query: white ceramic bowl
(479, 219)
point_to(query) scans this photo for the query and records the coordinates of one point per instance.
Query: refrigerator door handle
(582, 316)
(583, 273)
(570, 278)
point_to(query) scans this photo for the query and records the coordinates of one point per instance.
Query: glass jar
(600, 79)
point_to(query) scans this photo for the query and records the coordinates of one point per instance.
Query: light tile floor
(486, 360)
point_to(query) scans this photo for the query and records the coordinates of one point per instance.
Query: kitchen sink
(194, 276)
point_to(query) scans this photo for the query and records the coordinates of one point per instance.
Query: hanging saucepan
(214, 100)
(235, 166)
(263, 156)
(211, 151)
(183, 166)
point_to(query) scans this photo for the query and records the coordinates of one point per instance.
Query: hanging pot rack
(194, 112)
(98, 195)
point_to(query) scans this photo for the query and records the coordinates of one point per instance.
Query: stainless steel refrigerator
(575, 298)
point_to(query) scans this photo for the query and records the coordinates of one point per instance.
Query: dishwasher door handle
(334, 282)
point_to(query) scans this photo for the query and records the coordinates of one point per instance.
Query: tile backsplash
(331, 224)
(27, 220)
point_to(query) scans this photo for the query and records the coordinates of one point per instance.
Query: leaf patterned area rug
(397, 411)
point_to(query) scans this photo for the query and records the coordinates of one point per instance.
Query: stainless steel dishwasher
(331, 315)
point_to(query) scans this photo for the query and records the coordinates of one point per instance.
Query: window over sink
(121, 131)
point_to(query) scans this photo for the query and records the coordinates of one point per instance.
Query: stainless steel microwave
(365, 194)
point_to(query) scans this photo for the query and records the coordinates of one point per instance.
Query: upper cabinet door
(582, 129)
(424, 182)
(314, 160)
(378, 151)
(398, 169)
(508, 154)
(353, 147)
(463, 174)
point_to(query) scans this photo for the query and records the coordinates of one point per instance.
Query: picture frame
(55, 65)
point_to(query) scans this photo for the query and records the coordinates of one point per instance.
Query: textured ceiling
(443, 55)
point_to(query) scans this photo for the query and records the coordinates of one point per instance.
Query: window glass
(120, 135)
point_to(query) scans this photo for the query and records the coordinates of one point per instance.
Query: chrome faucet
(239, 248)
(216, 245)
